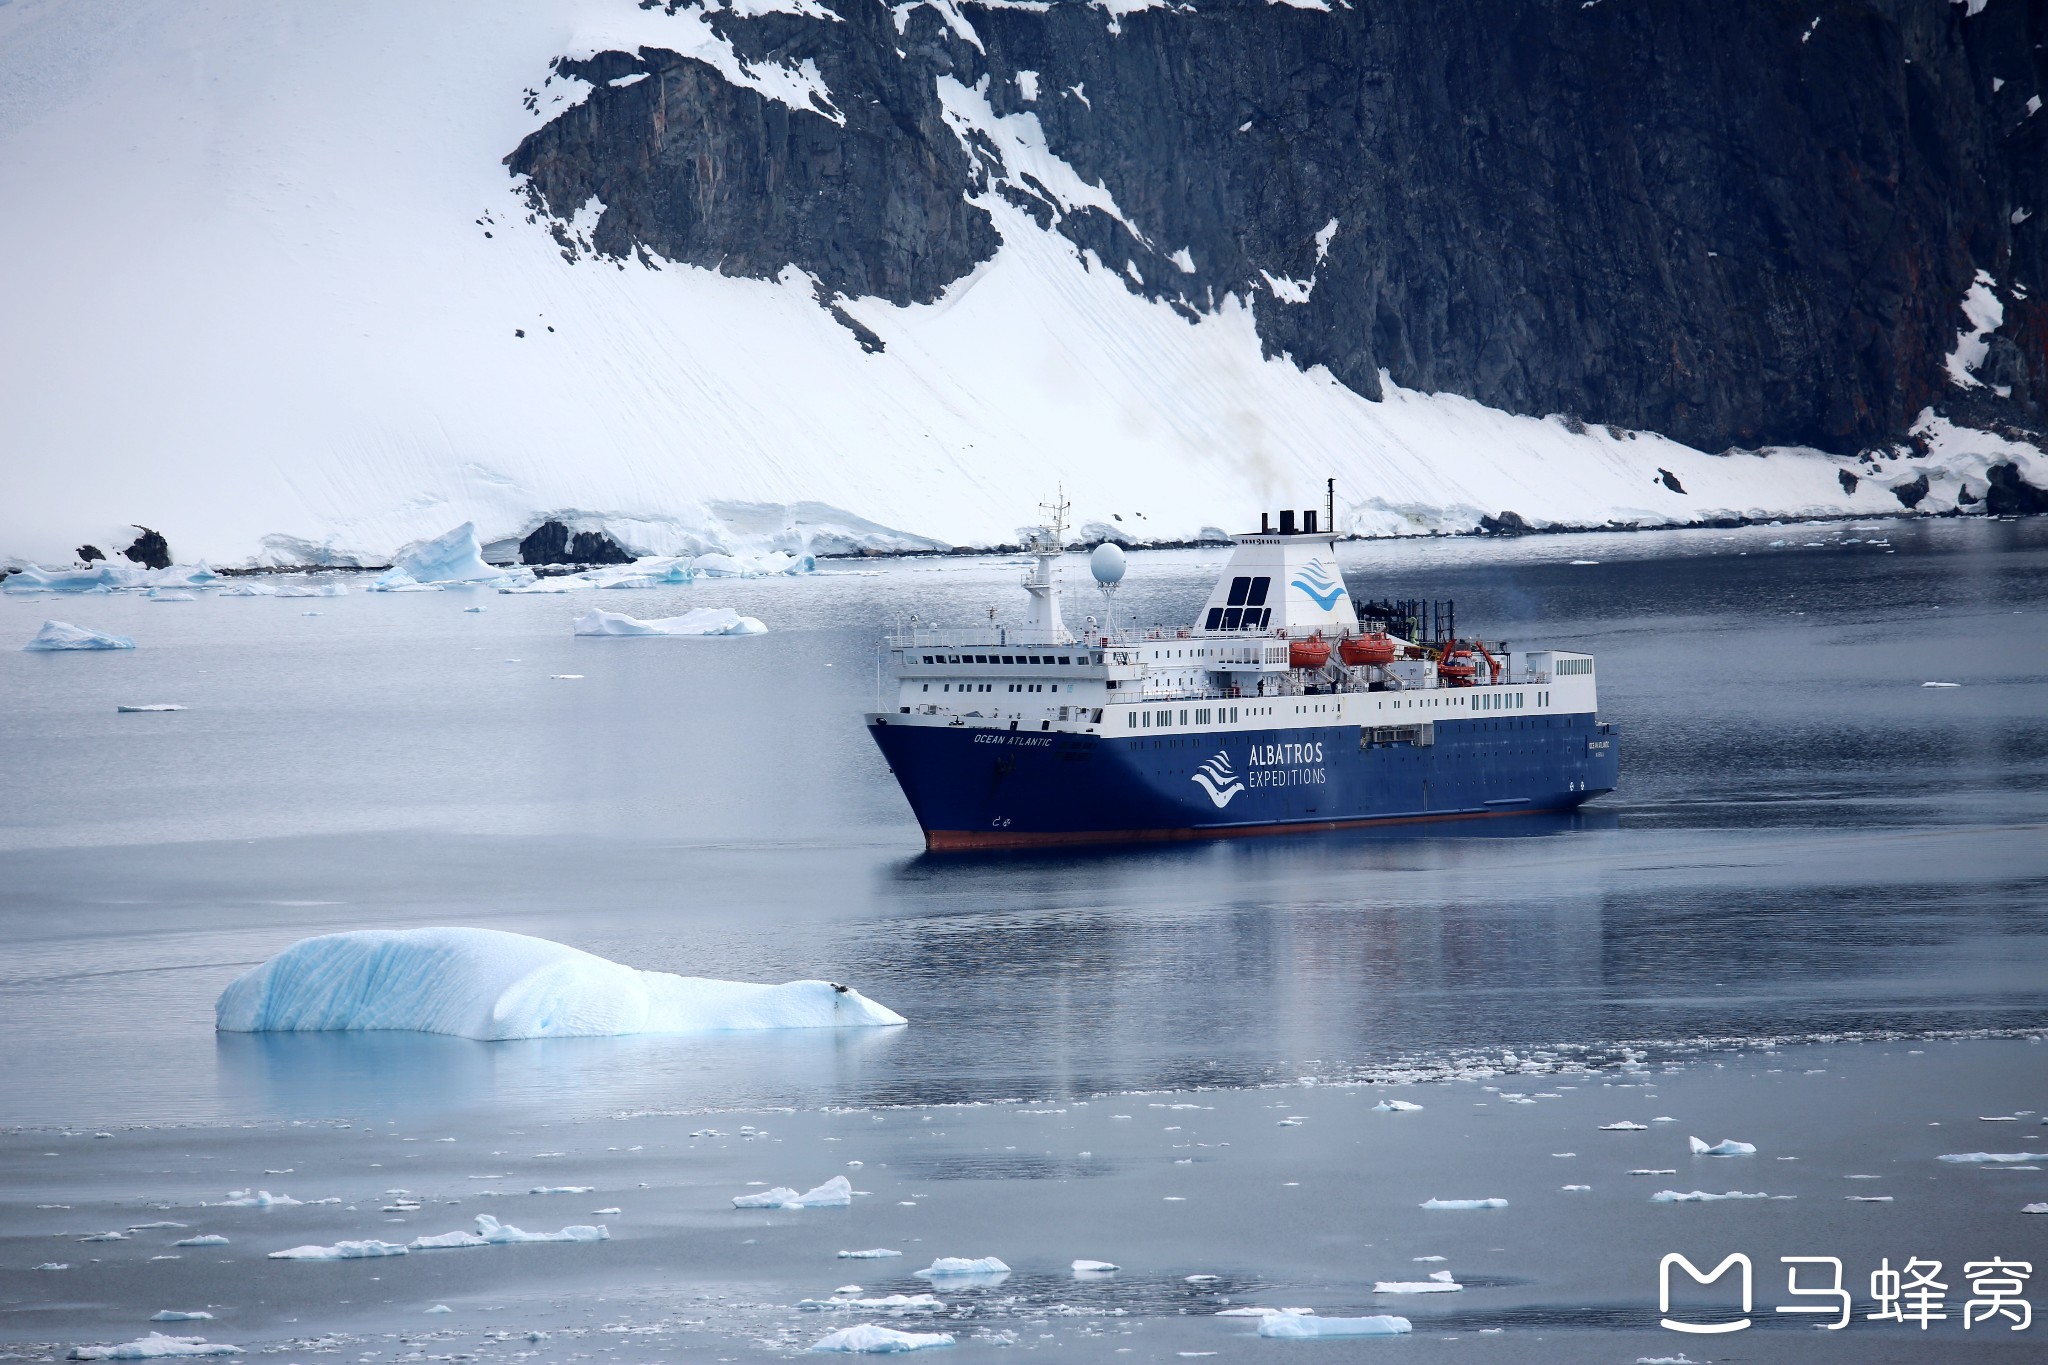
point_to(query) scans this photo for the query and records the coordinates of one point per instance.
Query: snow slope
(488, 984)
(268, 273)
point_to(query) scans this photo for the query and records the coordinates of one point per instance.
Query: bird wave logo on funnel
(1319, 585)
(1216, 778)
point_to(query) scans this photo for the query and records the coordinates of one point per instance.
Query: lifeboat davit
(1309, 653)
(1458, 667)
(1375, 648)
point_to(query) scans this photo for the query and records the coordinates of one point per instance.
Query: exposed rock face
(88, 554)
(1733, 224)
(553, 543)
(2009, 495)
(150, 550)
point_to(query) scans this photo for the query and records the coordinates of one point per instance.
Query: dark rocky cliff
(1739, 224)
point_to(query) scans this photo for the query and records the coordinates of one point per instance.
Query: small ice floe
(700, 622)
(314, 590)
(211, 1239)
(1201, 1279)
(56, 635)
(489, 985)
(1868, 1198)
(174, 1315)
(963, 1270)
(252, 1199)
(1289, 1327)
(1703, 1197)
(871, 1254)
(1624, 1127)
(1464, 1203)
(60, 1265)
(491, 1233)
(1681, 1358)
(559, 1189)
(1564, 1153)
(172, 595)
(471, 611)
(1725, 1147)
(2030, 1208)
(1428, 1258)
(440, 1308)
(340, 1251)
(542, 585)
(104, 1237)
(1395, 1107)
(601, 1213)
(1569, 1188)
(1440, 1282)
(1656, 1172)
(566, 677)
(1258, 1312)
(156, 1346)
(1087, 1269)
(870, 1339)
(147, 707)
(1664, 1118)
(1584, 563)
(835, 1193)
(887, 1303)
(1292, 1121)
(1980, 1158)
(249, 590)
(1998, 1118)
(1940, 684)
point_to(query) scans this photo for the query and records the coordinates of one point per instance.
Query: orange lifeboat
(1309, 653)
(1458, 665)
(1375, 648)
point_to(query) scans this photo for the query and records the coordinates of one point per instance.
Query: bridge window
(1258, 594)
(1240, 588)
(1233, 616)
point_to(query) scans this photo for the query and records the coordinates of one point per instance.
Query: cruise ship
(1284, 706)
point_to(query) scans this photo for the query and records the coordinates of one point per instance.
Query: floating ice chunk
(1293, 1121)
(1464, 1203)
(1656, 1172)
(1584, 563)
(1725, 1147)
(1288, 1327)
(601, 1213)
(1940, 684)
(2030, 1208)
(105, 1237)
(547, 585)
(249, 590)
(1569, 1188)
(100, 578)
(156, 1346)
(472, 610)
(1624, 1127)
(1396, 1107)
(887, 1303)
(451, 557)
(1978, 1158)
(835, 1193)
(440, 1308)
(561, 1189)
(1087, 1268)
(1703, 1197)
(870, 1339)
(753, 566)
(1257, 1312)
(1664, 1119)
(148, 706)
(948, 1267)
(1427, 1258)
(59, 1265)
(314, 590)
(1868, 1198)
(253, 1199)
(490, 1233)
(488, 984)
(172, 595)
(1432, 1285)
(211, 1239)
(173, 1315)
(702, 621)
(56, 635)
(340, 1251)
(871, 1254)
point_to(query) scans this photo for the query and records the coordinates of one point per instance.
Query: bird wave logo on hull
(1216, 778)
(1319, 585)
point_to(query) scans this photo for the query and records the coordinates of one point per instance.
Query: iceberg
(340, 1251)
(653, 572)
(1725, 1147)
(1464, 1203)
(948, 1267)
(753, 566)
(835, 1193)
(1090, 1268)
(1979, 1158)
(57, 635)
(871, 1254)
(491, 1233)
(314, 590)
(702, 621)
(1396, 1107)
(249, 590)
(211, 1239)
(539, 585)
(398, 580)
(1702, 1197)
(2034, 1208)
(1294, 1327)
(101, 578)
(888, 1303)
(172, 595)
(156, 1346)
(488, 984)
(868, 1339)
(451, 557)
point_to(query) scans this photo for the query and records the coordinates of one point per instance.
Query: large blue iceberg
(487, 984)
(63, 635)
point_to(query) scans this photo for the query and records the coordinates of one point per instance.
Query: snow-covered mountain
(299, 284)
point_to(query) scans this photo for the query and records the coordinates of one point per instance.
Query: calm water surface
(1807, 841)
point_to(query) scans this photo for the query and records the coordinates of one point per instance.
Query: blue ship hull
(974, 787)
